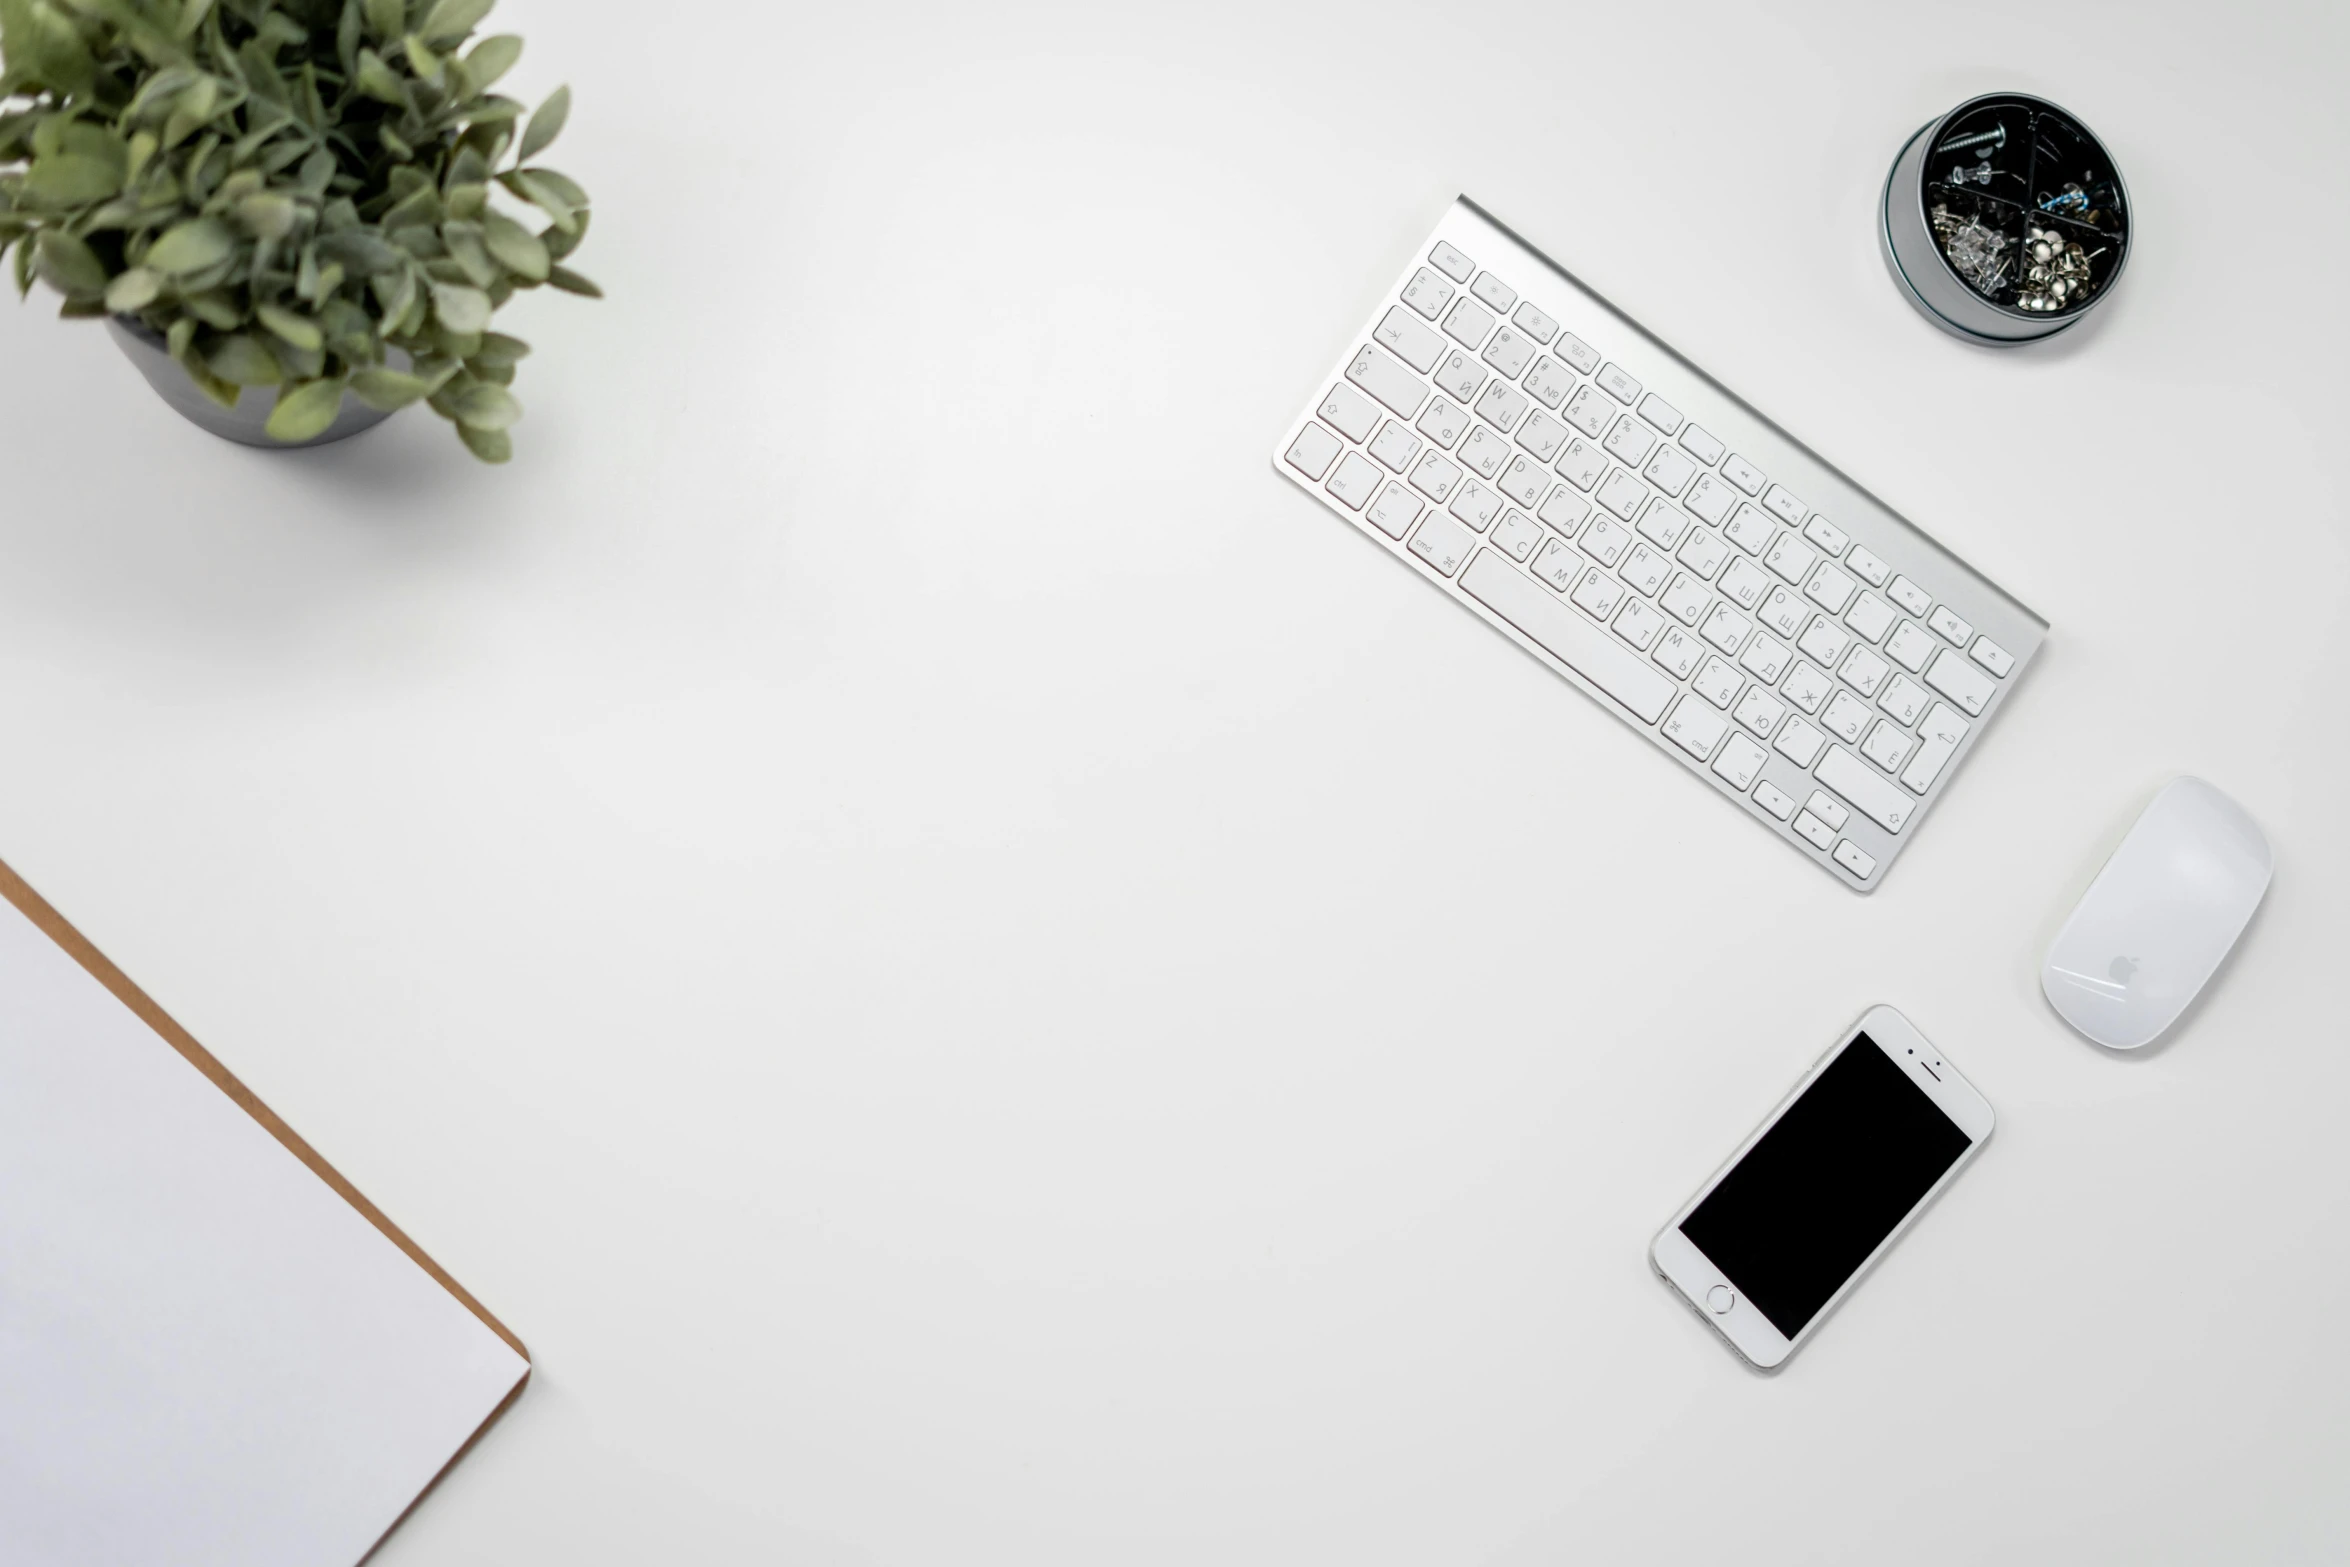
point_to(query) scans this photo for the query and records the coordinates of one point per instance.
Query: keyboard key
(1853, 858)
(1710, 498)
(1760, 711)
(1740, 760)
(1831, 539)
(1644, 570)
(1799, 742)
(1705, 449)
(1784, 506)
(1524, 480)
(1790, 557)
(1807, 686)
(1826, 808)
(1460, 376)
(1746, 584)
(1623, 494)
(1559, 566)
(1618, 384)
(1494, 292)
(1548, 382)
(1660, 413)
(1783, 612)
(1864, 671)
(1962, 682)
(1718, 682)
(1396, 446)
(1744, 474)
(1314, 450)
(1542, 435)
(1427, 293)
(1589, 410)
(1451, 262)
(1355, 482)
(1668, 470)
(1911, 597)
(1568, 637)
(1703, 552)
(1870, 616)
(1502, 406)
(1581, 464)
(1410, 341)
(1565, 510)
(1629, 441)
(1886, 746)
(1662, 524)
(1816, 832)
(1911, 646)
(1685, 600)
(1435, 478)
(1509, 351)
(1774, 799)
(1400, 390)
(1534, 323)
(1441, 545)
(1475, 505)
(1576, 352)
(1830, 589)
(1695, 728)
(1515, 536)
(1765, 659)
(1485, 452)
(1853, 780)
(1847, 717)
(1725, 628)
(1469, 324)
(1948, 626)
(1903, 700)
(1677, 652)
(1992, 656)
(1597, 594)
(1749, 529)
(1396, 510)
(1348, 414)
(1823, 641)
(1605, 540)
(1869, 568)
(1943, 730)
(1443, 423)
(1638, 624)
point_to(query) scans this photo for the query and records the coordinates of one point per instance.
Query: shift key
(1869, 791)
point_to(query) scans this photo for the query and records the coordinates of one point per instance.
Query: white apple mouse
(2159, 918)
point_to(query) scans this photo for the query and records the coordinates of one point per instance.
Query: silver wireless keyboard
(1616, 512)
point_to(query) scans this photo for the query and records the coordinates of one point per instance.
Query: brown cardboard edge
(76, 946)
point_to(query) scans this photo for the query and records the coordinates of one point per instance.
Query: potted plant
(298, 215)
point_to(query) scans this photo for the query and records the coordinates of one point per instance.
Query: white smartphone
(1770, 1245)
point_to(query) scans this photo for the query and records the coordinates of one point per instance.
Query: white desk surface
(986, 983)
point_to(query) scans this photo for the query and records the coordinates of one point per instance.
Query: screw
(1994, 138)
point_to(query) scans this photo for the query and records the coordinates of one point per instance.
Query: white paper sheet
(206, 1355)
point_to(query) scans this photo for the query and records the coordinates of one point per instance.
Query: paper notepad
(211, 1350)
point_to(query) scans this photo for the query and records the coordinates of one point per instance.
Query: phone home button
(1719, 1300)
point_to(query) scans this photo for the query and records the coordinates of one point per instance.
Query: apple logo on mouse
(2122, 969)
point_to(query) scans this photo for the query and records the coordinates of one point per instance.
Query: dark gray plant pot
(247, 423)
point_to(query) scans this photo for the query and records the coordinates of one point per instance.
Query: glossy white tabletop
(985, 983)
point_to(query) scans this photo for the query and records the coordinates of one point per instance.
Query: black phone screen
(1820, 1191)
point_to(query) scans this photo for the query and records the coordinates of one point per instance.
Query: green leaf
(134, 291)
(303, 412)
(379, 81)
(192, 112)
(359, 252)
(191, 246)
(467, 249)
(70, 180)
(388, 390)
(387, 19)
(71, 267)
(517, 249)
(192, 14)
(561, 244)
(527, 184)
(545, 125)
(453, 18)
(461, 309)
(572, 283)
(300, 331)
(267, 214)
(484, 407)
(241, 360)
(497, 349)
(491, 59)
(491, 446)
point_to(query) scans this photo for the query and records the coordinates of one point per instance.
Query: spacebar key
(1567, 636)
